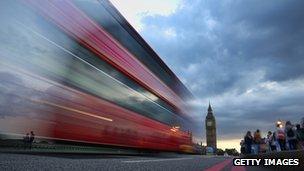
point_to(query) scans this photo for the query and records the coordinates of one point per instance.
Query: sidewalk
(17, 146)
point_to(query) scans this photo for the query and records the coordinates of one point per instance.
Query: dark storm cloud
(243, 55)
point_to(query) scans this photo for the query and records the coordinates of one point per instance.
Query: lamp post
(279, 123)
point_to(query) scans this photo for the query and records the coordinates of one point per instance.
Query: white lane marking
(156, 160)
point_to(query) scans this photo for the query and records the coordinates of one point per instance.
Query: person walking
(280, 137)
(274, 142)
(26, 140)
(248, 140)
(270, 141)
(290, 136)
(257, 139)
(31, 139)
(300, 136)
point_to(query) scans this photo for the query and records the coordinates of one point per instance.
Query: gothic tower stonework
(210, 128)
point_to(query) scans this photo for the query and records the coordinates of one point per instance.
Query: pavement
(161, 162)
(17, 146)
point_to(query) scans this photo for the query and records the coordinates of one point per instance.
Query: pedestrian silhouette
(291, 136)
(248, 139)
(31, 139)
(26, 140)
(257, 140)
(300, 137)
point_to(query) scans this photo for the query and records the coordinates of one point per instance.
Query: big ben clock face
(209, 123)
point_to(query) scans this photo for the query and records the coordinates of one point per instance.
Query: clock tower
(210, 128)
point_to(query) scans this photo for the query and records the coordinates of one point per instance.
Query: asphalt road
(167, 162)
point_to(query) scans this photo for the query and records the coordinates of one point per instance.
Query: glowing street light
(279, 124)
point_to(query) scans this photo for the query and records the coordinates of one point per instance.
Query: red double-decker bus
(77, 71)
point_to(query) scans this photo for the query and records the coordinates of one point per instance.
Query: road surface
(174, 162)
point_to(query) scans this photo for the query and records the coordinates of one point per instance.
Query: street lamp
(279, 124)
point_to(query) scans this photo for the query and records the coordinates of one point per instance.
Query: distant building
(210, 129)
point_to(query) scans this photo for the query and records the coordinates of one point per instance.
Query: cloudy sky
(246, 57)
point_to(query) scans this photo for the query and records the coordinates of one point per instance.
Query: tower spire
(209, 108)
